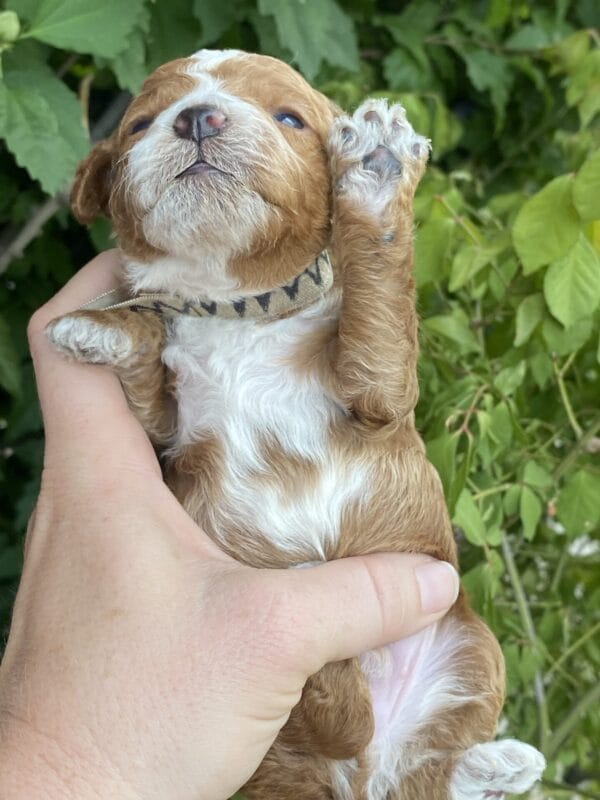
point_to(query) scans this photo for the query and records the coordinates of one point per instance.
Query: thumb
(355, 604)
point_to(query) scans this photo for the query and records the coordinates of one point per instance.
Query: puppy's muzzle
(199, 122)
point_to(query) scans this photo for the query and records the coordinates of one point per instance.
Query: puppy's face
(222, 155)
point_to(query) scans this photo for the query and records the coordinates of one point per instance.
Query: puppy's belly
(410, 682)
(412, 679)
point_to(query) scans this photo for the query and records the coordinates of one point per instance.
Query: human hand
(142, 661)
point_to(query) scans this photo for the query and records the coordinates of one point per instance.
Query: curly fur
(294, 441)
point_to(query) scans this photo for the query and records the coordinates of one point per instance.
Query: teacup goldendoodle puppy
(266, 338)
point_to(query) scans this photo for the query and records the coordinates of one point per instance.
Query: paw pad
(375, 154)
(382, 161)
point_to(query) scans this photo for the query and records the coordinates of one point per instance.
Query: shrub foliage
(508, 270)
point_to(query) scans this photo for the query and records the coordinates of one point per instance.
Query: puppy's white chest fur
(236, 381)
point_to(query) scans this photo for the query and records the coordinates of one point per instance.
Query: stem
(457, 219)
(577, 430)
(566, 727)
(470, 410)
(565, 465)
(527, 621)
(570, 650)
(493, 490)
(564, 557)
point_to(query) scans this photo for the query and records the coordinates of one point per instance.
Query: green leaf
(578, 507)
(216, 17)
(529, 314)
(547, 226)
(460, 477)
(174, 32)
(511, 500)
(446, 129)
(572, 50)
(530, 511)
(410, 26)
(314, 32)
(99, 28)
(572, 284)
(404, 73)
(531, 661)
(540, 364)
(564, 341)
(130, 66)
(482, 583)
(441, 451)
(536, 475)
(586, 189)
(43, 127)
(529, 37)
(417, 112)
(489, 72)
(510, 378)
(583, 88)
(469, 260)
(468, 517)
(431, 246)
(10, 373)
(454, 326)
(9, 26)
(500, 426)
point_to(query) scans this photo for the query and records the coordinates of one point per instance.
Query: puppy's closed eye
(289, 119)
(140, 125)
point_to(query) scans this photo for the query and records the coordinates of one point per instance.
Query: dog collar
(306, 288)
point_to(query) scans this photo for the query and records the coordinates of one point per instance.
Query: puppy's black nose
(198, 122)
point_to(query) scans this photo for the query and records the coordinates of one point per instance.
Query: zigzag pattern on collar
(304, 290)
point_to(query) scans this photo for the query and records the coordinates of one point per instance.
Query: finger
(86, 417)
(356, 604)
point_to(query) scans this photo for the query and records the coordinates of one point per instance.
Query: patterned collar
(304, 290)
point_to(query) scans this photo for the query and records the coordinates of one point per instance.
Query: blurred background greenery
(508, 270)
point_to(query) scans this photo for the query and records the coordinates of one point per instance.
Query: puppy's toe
(89, 341)
(494, 769)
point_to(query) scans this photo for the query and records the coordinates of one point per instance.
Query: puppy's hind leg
(334, 717)
(496, 769)
(435, 743)
(286, 774)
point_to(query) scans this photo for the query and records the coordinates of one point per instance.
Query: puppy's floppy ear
(91, 189)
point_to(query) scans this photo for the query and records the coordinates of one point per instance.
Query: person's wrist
(34, 766)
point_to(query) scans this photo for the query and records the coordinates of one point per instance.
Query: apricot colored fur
(365, 362)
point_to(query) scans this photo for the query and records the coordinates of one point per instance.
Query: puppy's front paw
(496, 769)
(90, 341)
(375, 155)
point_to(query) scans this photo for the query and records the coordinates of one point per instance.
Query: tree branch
(527, 620)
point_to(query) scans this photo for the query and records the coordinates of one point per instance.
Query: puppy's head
(220, 161)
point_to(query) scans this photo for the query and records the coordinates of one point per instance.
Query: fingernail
(438, 585)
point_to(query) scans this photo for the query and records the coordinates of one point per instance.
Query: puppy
(267, 340)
